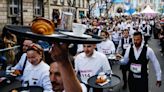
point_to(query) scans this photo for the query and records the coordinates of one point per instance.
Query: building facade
(22, 12)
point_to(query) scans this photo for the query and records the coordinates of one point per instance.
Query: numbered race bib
(135, 68)
(125, 46)
(106, 51)
(85, 75)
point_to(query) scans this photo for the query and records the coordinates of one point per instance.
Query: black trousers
(124, 69)
(146, 38)
(137, 84)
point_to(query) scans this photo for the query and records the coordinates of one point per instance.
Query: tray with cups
(44, 29)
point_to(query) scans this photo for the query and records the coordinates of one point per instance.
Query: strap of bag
(24, 65)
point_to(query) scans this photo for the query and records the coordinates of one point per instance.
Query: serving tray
(25, 31)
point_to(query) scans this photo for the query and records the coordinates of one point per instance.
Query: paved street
(154, 44)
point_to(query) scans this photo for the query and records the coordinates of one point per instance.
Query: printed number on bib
(135, 68)
(125, 46)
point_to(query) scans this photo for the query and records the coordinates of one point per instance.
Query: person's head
(89, 49)
(137, 38)
(125, 33)
(26, 44)
(104, 34)
(55, 77)
(35, 54)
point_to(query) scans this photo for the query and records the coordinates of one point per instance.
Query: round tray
(115, 80)
(25, 31)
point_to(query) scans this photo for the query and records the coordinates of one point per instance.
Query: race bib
(135, 68)
(125, 46)
(106, 51)
(85, 75)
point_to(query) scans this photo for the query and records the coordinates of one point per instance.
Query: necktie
(126, 41)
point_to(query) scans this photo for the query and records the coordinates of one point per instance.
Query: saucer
(73, 35)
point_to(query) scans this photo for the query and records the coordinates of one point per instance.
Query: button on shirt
(150, 56)
(90, 66)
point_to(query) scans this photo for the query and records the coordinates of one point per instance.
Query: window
(81, 14)
(38, 8)
(13, 7)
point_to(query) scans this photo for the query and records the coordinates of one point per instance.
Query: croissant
(17, 72)
(100, 80)
(42, 26)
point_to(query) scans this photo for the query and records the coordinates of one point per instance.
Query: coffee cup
(78, 29)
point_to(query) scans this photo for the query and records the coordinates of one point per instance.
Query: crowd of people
(127, 37)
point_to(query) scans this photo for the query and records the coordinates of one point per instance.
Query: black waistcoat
(122, 43)
(141, 60)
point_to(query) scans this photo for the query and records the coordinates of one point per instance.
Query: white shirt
(106, 47)
(38, 76)
(90, 66)
(148, 30)
(115, 36)
(119, 48)
(19, 65)
(84, 88)
(150, 56)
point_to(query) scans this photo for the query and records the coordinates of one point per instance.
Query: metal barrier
(9, 59)
(5, 49)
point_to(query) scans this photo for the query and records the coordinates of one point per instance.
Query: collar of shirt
(138, 52)
(126, 39)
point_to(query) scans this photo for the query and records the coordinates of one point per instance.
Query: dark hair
(106, 33)
(137, 33)
(126, 30)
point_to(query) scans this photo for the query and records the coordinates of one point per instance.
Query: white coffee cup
(78, 29)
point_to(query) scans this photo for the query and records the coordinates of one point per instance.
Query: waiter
(124, 43)
(138, 56)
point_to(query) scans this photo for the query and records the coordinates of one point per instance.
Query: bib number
(125, 46)
(135, 68)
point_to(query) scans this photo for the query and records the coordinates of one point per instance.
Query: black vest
(122, 43)
(145, 30)
(141, 60)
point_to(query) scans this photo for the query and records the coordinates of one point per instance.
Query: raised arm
(59, 54)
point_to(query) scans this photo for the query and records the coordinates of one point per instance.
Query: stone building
(22, 12)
